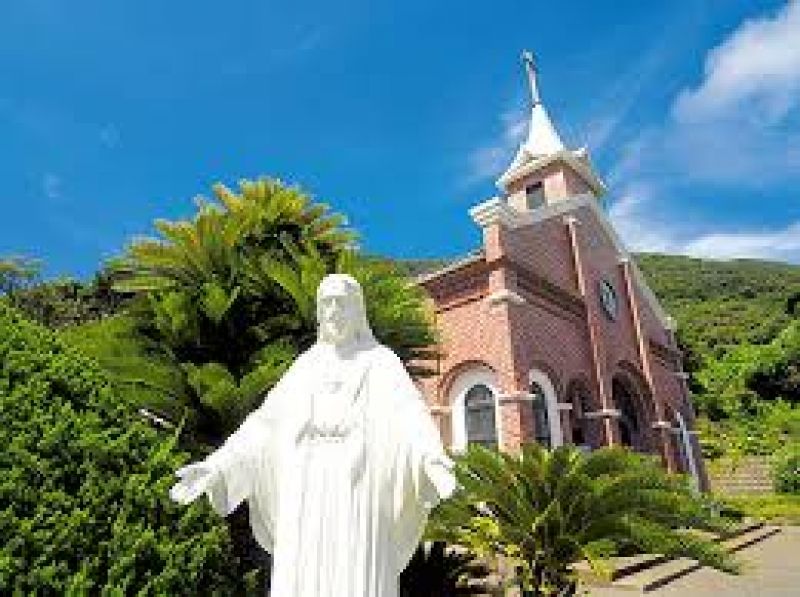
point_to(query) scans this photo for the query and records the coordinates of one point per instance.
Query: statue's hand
(439, 472)
(195, 480)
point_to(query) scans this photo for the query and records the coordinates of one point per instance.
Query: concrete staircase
(645, 573)
(748, 474)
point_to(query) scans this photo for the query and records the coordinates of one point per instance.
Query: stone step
(653, 577)
(625, 566)
(747, 539)
(656, 576)
(620, 567)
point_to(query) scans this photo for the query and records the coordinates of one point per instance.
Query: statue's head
(341, 313)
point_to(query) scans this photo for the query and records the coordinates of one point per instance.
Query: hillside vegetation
(720, 304)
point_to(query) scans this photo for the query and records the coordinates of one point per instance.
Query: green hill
(721, 304)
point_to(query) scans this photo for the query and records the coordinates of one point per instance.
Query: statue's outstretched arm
(226, 474)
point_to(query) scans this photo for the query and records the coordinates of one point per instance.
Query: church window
(534, 195)
(628, 417)
(541, 421)
(480, 415)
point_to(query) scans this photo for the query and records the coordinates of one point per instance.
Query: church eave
(578, 164)
(461, 263)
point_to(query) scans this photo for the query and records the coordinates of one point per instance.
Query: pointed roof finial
(530, 66)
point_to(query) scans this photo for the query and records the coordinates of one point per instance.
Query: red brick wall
(544, 248)
(547, 331)
(472, 331)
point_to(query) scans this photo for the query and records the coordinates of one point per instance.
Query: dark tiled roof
(449, 266)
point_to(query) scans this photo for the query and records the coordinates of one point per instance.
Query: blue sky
(400, 115)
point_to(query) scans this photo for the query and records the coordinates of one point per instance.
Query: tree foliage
(786, 471)
(226, 300)
(721, 304)
(16, 273)
(58, 302)
(738, 328)
(83, 496)
(545, 509)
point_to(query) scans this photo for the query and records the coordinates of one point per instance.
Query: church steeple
(543, 170)
(530, 66)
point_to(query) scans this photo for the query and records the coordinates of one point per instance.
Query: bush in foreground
(83, 495)
(544, 510)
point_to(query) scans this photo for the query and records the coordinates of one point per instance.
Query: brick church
(549, 330)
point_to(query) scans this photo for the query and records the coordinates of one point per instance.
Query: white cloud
(738, 128)
(51, 186)
(633, 222)
(741, 123)
(756, 69)
(614, 100)
(109, 136)
(781, 244)
(633, 218)
(492, 159)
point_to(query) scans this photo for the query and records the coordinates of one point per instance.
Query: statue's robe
(339, 476)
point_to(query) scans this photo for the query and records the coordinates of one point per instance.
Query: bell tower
(544, 171)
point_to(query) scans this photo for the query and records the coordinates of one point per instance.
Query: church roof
(542, 140)
(457, 263)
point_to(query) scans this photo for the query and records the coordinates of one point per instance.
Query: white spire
(543, 145)
(542, 136)
(530, 66)
(543, 139)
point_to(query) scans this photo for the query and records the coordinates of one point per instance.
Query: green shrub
(542, 510)
(780, 508)
(786, 471)
(83, 495)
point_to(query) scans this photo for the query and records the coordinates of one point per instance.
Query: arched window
(628, 419)
(541, 422)
(480, 416)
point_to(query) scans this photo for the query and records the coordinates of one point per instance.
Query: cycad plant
(543, 510)
(228, 299)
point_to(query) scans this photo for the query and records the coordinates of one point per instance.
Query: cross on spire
(530, 65)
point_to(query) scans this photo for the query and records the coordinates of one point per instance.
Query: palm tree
(195, 306)
(544, 510)
(228, 297)
(395, 306)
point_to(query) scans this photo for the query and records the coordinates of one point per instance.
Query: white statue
(340, 465)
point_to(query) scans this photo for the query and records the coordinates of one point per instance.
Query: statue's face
(338, 317)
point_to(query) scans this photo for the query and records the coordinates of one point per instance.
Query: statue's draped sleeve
(246, 465)
(421, 472)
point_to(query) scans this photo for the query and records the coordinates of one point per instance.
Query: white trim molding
(603, 413)
(494, 211)
(478, 374)
(505, 295)
(576, 160)
(551, 399)
(497, 210)
(438, 409)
